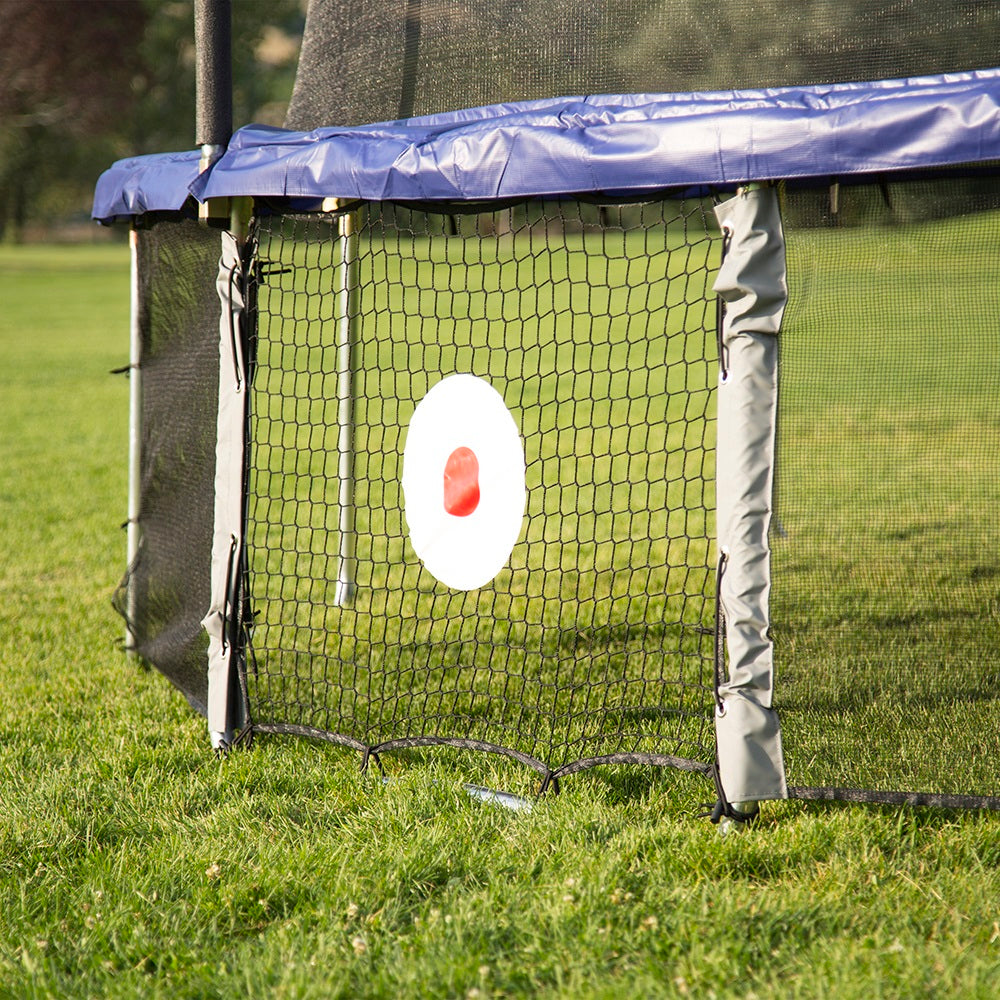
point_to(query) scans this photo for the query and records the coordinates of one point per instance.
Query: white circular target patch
(463, 482)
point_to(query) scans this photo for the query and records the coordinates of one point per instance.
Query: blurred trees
(732, 44)
(65, 73)
(83, 84)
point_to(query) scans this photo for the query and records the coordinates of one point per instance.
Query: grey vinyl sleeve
(752, 283)
(228, 529)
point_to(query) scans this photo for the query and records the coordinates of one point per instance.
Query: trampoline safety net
(165, 591)
(885, 547)
(596, 325)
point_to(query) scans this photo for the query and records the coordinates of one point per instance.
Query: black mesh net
(165, 593)
(886, 545)
(597, 327)
(367, 60)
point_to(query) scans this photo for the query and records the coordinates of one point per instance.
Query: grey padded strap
(227, 538)
(751, 281)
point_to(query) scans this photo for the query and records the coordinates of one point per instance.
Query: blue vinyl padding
(614, 144)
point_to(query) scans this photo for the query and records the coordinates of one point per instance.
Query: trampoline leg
(346, 292)
(134, 446)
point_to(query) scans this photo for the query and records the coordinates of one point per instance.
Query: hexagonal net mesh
(596, 326)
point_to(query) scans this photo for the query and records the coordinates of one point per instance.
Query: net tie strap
(723, 808)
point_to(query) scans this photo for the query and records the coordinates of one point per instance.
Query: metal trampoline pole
(346, 318)
(134, 444)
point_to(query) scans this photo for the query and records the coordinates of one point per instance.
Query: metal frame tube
(134, 443)
(346, 318)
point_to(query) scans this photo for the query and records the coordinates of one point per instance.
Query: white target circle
(463, 482)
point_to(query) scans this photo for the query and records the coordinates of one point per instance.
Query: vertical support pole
(134, 442)
(213, 35)
(411, 58)
(213, 129)
(752, 283)
(346, 318)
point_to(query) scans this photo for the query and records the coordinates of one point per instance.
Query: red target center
(461, 482)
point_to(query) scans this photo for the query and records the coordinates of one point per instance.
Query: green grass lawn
(132, 863)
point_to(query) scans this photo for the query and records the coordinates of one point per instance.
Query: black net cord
(937, 800)
(722, 807)
(720, 313)
(244, 337)
(719, 667)
(230, 623)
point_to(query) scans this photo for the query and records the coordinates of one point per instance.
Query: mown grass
(132, 863)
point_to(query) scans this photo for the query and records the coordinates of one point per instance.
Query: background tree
(65, 73)
(82, 84)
